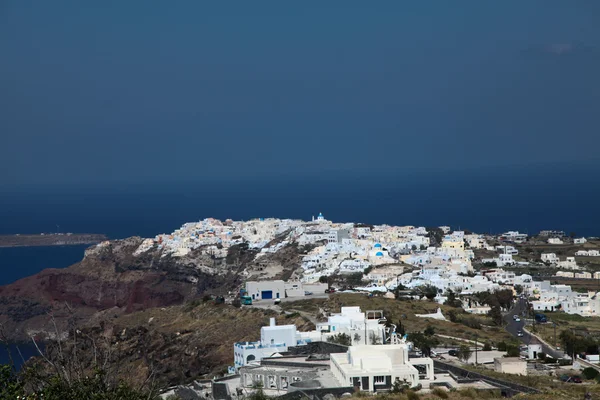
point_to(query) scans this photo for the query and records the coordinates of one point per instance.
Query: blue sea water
(19, 262)
(482, 201)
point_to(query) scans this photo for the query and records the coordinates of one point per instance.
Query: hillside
(403, 313)
(173, 344)
(112, 276)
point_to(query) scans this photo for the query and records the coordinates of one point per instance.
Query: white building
(550, 258)
(360, 326)
(580, 241)
(376, 368)
(273, 339)
(382, 275)
(475, 241)
(507, 250)
(569, 263)
(588, 253)
(264, 290)
(555, 241)
(514, 236)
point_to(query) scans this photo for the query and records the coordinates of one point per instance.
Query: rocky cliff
(112, 278)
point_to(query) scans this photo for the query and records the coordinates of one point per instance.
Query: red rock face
(109, 279)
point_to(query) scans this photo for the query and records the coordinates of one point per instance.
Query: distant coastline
(50, 239)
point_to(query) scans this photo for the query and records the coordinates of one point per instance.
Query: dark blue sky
(155, 91)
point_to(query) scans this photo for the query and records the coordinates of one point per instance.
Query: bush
(439, 392)
(512, 351)
(590, 373)
(410, 395)
(93, 386)
(340, 338)
(501, 346)
(471, 322)
(487, 347)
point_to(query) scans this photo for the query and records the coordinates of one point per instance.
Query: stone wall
(507, 388)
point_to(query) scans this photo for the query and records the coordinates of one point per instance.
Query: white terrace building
(376, 368)
(550, 258)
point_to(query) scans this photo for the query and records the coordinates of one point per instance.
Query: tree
(422, 342)
(501, 346)
(340, 338)
(590, 373)
(400, 386)
(374, 339)
(452, 316)
(428, 291)
(429, 331)
(487, 346)
(518, 289)
(55, 387)
(357, 337)
(451, 299)
(574, 344)
(464, 353)
(323, 279)
(354, 279)
(496, 315)
(10, 385)
(512, 351)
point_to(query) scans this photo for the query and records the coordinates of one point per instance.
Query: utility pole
(475, 350)
(554, 323)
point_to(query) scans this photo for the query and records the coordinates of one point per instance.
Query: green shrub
(590, 373)
(340, 338)
(439, 392)
(410, 395)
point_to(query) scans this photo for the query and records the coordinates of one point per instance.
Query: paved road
(513, 327)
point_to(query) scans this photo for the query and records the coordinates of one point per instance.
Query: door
(266, 294)
(365, 383)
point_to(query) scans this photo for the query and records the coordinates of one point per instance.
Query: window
(378, 379)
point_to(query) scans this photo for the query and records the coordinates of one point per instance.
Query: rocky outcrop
(109, 277)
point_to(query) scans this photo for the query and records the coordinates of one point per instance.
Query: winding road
(513, 327)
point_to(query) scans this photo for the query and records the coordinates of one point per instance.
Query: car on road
(517, 319)
(453, 353)
(306, 293)
(330, 290)
(515, 316)
(519, 333)
(277, 301)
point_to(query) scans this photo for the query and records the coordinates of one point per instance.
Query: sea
(484, 201)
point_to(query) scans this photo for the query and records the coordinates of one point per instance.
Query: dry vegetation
(176, 344)
(396, 311)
